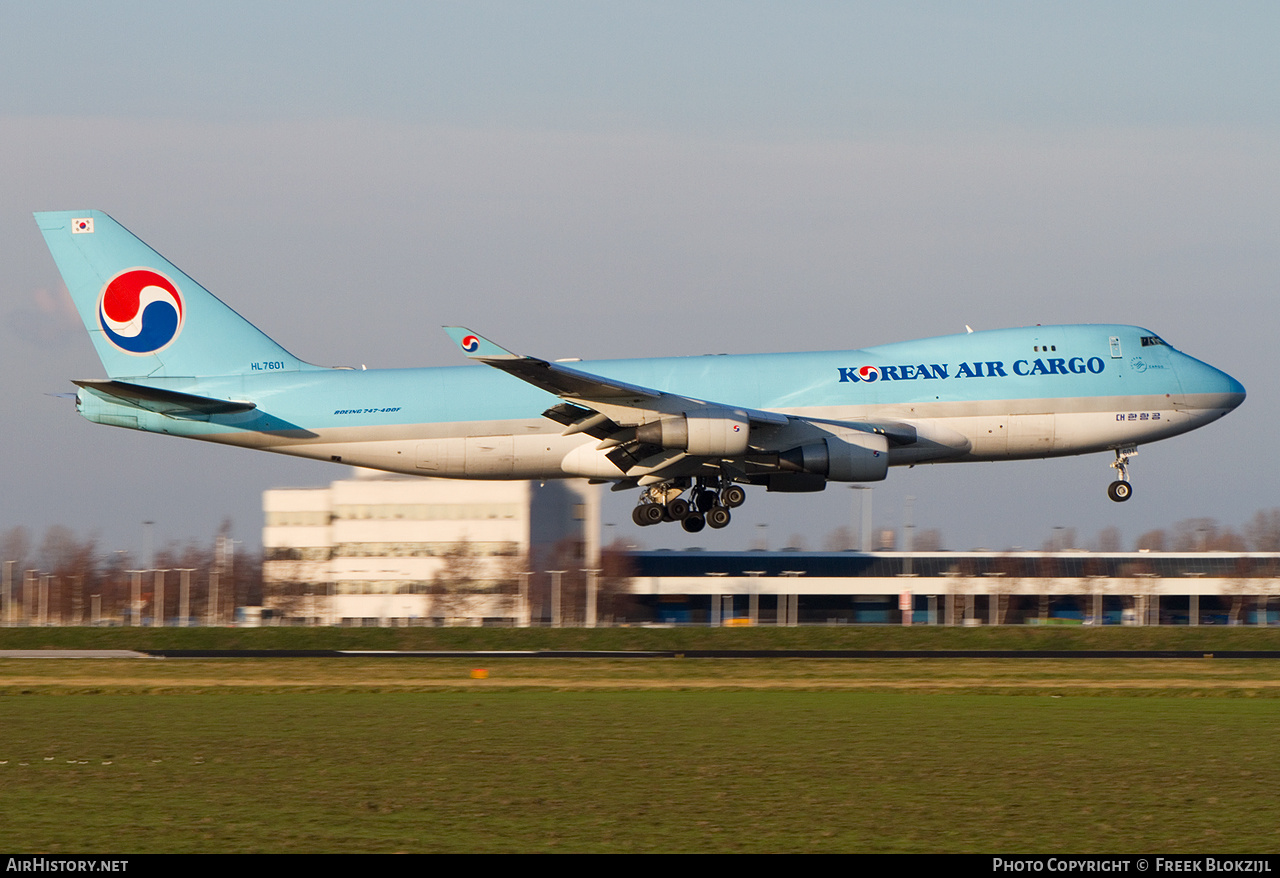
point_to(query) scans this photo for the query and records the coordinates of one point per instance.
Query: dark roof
(1024, 564)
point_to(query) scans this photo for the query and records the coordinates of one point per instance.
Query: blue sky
(596, 180)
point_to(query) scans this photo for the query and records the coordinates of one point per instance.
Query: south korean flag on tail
(83, 226)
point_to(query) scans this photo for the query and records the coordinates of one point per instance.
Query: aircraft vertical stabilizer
(145, 316)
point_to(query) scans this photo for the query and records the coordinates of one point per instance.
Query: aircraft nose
(1229, 391)
(1211, 388)
(1235, 390)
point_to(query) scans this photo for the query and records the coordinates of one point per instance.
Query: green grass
(1028, 637)
(755, 755)
(618, 771)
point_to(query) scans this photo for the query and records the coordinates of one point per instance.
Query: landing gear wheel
(1120, 491)
(704, 500)
(647, 514)
(693, 523)
(678, 509)
(718, 517)
(732, 497)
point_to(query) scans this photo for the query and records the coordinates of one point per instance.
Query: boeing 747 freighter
(688, 432)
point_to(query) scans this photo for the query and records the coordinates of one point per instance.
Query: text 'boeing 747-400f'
(688, 432)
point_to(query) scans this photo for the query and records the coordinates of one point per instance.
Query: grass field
(758, 755)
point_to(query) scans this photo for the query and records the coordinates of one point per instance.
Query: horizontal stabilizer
(165, 402)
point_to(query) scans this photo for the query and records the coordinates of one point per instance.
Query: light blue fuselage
(1012, 393)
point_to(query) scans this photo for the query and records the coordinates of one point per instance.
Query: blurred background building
(377, 549)
(957, 588)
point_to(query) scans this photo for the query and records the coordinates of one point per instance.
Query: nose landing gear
(1120, 490)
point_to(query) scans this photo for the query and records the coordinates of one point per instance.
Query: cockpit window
(1149, 340)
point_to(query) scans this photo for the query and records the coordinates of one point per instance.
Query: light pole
(158, 621)
(29, 590)
(754, 608)
(523, 611)
(908, 531)
(44, 599)
(593, 582)
(135, 609)
(211, 610)
(8, 593)
(864, 518)
(716, 615)
(184, 596)
(555, 597)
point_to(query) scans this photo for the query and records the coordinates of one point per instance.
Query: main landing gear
(1120, 490)
(708, 504)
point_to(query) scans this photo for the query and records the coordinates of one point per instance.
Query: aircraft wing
(625, 404)
(652, 435)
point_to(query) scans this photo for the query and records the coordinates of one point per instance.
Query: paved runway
(639, 654)
(650, 654)
(72, 653)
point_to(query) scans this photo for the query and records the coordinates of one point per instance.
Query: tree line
(67, 579)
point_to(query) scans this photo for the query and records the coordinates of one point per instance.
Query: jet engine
(714, 433)
(846, 456)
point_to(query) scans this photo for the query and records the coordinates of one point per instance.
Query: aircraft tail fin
(145, 316)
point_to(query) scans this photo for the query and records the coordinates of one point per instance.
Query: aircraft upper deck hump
(146, 317)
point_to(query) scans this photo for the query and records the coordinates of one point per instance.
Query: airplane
(688, 432)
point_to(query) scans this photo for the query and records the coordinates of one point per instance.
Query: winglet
(477, 347)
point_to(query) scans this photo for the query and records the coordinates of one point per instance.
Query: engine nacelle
(846, 456)
(715, 433)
